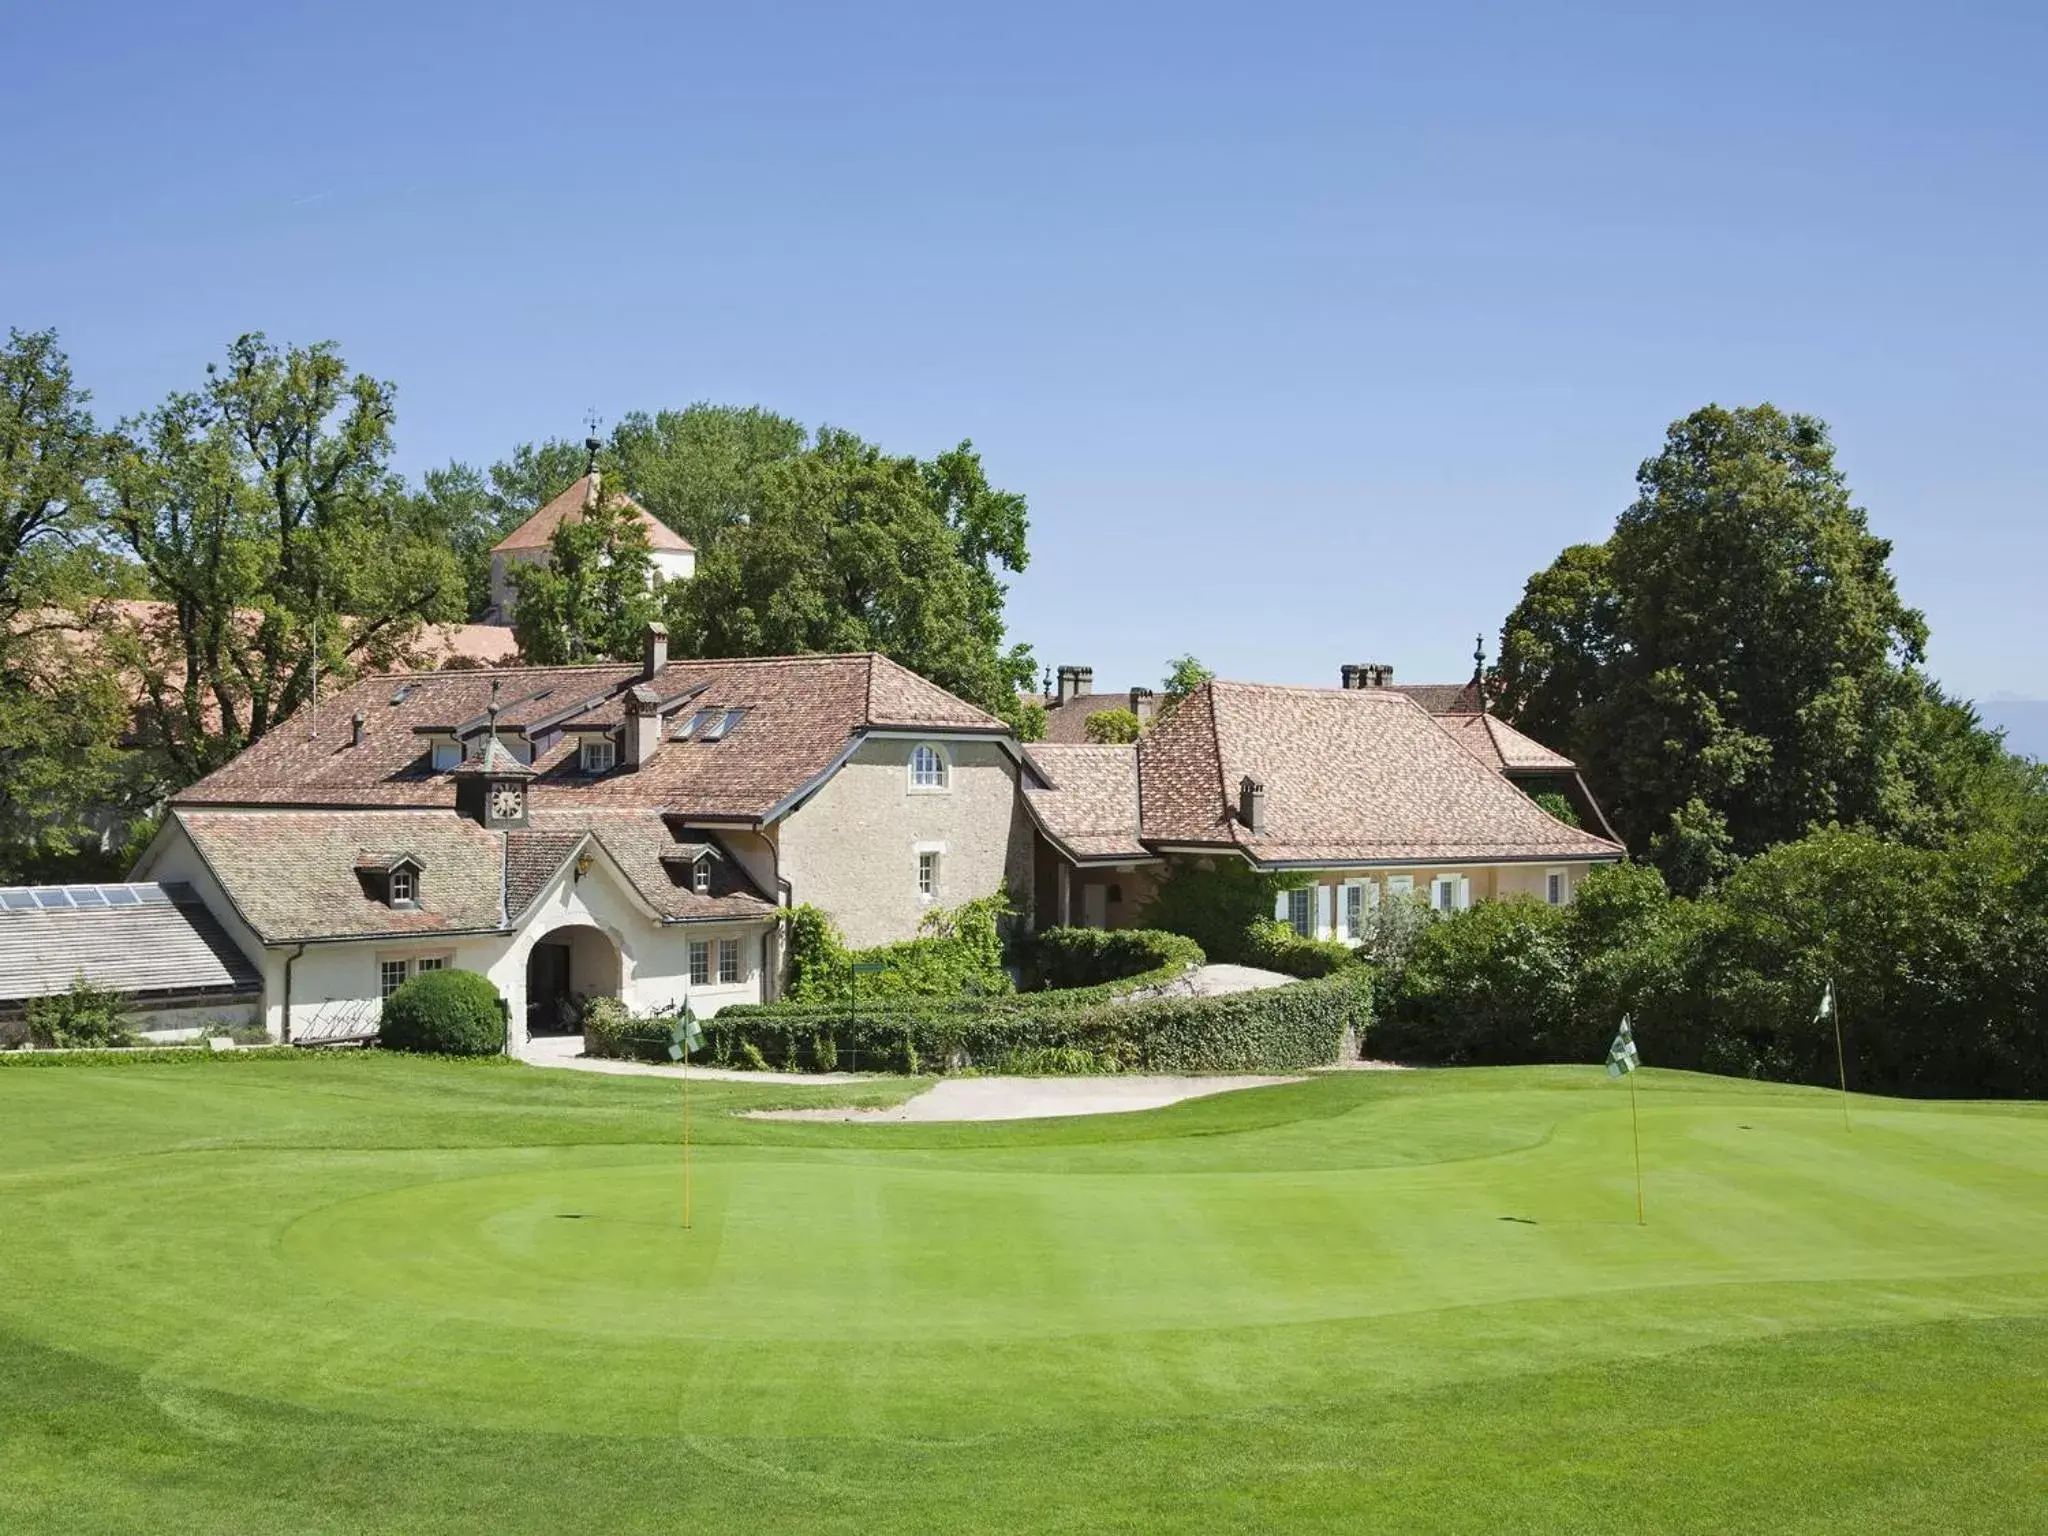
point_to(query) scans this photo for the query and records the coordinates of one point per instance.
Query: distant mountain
(2024, 721)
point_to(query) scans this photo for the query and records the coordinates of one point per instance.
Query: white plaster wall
(852, 848)
(675, 564)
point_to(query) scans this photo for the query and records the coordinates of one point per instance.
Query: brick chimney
(1368, 674)
(1350, 670)
(1075, 682)
(642, 737)
(1251, 805)
(1142, 705)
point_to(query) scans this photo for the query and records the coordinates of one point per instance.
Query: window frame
(941, 780)
(454, 761)
(1457, 886)
(930, 891)
(385, 985)
(1557, 887)
(1301, 910)
(730, 972)
(592, 745)
(700, 962)
(410, 878)
(700, 875)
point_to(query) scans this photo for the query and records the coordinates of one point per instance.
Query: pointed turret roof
(535, 532)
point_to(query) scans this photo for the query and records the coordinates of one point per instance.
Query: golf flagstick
(684, 1038)
(1832, 1010)
(1622, 1061)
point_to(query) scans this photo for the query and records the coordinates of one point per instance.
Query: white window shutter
(1344, 911)
(1372, 895)
(1322, 911)
(1279, 908)
(1464, 895)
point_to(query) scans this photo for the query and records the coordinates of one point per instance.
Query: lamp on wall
(583, 866)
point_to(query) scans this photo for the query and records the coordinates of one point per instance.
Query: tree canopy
(849, 549)
(1734, 666)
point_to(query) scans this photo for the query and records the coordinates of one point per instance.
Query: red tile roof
(535, 532)
(1501, 747)
(799, 714)
(1089, 804)
(1351, 776)
(1068, 722)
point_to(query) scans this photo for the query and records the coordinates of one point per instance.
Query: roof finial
(1479, 668)
(496, 684)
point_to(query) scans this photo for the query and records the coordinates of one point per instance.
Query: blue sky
(1308, 331)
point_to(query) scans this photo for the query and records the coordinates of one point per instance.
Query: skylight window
(689, 727)
(720, 723)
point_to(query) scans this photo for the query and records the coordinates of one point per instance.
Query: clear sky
(1308, 331)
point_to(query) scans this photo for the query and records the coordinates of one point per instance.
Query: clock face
(507, 803)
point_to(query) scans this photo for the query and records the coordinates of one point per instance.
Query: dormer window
(700, 875)
(405, 889)
(600, 754)
(927, 767)
(447, 755)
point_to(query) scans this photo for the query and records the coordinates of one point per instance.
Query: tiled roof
(1442, 698)
(531, 860)
(1068, 722)
(637, 840)
(173, 946)
(1503, 748)
(1090, 803)
(800, 713)
(535, 532)
(1351, 776)
(293, 874)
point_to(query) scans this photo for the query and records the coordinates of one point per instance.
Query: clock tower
(491, 787)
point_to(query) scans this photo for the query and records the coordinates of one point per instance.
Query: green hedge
(1276, 947)
(1068, 958)
(959, 949)
(613, 1032)
(444, 1013)
(1280, 1029)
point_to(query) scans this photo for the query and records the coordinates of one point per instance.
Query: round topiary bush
(444, 1013)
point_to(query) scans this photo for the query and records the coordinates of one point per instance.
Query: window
(390, 976)
(728, 961)
(1358, 898)
(1555, 889)
(928, 874)
(447, 755)
(404, 886)
(719, 723)
(700, 875)
(430, 963)
(700, 962)
(599, 753)
(1301, 910)
(689, 726)
(927, 767)
(1450, 893)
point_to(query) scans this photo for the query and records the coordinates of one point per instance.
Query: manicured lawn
(370, 1294)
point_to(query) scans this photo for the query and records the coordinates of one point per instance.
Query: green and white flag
(685, 1037)
(1827, 1004)
(1621, 1056)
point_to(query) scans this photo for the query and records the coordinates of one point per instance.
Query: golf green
(368, 1293)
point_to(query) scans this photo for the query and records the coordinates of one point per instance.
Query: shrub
(1090, 957)
(1111, 727)
(614, 1032)
(444, 1013)
(960, 950)
(1276, 1030)
(83, 1018)
(1215, 903)
(1274, 946)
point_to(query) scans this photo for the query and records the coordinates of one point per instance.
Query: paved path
(567, 1051)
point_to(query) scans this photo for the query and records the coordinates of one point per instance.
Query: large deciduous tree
(69, 794)
(852, 549)
(593, 597)
(262, 508)
(1734, 665)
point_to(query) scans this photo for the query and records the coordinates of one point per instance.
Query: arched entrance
(566, 967)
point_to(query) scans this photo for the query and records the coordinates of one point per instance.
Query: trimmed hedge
(1276, 947)
(612, 1031)
(444, 1013)
(1068, 958)
(1281, 1029)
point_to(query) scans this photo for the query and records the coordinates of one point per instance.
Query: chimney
(1368, 674)
(590, 470)
(1251, 805)
(1381, 676)
(356, 730)
(1141, 705)
(1351, 669)
(653, 651)
(642, 737)
(1074, 682)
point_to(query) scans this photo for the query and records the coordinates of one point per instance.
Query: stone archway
(566, 967)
